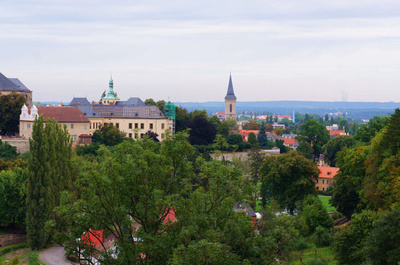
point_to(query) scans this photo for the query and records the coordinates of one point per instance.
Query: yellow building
(132, 117)
(77, 124)
(14, 85)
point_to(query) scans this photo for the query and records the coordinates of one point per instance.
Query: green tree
(334, 145)
(291, 177)
(181, 117)
(383, 243)
(13, 196)
(108, 135)
(314, 214)
(50, 173)
(10, 110)
(305, 150)
(366, 132)
(235, 139)
(315, 134)
(7, 152)
(262, 137)
(251, 125)
(252, 139)
(202, 132)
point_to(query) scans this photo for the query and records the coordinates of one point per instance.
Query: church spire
(230, 93)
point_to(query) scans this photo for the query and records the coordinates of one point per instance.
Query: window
(73, 137)
(142, 126)
(136, 135)
(130, 125)
(323, 188)
(141, 135)
(117, 125)
(130, 135)
(317, 180)
(85, 126)
(136, 125)
(327, 181)
(72, 125)
(323, 181)
(162, 126)
(230, 107)
(28, 126)
(151, 126)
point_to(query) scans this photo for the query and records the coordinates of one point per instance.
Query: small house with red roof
(326, 178)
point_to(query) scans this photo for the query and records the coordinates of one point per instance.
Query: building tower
(111, 97)
(230, 102)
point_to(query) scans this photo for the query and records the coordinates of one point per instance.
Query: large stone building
(77, 124)
(230, 102)
(10, 85)
(132, 117)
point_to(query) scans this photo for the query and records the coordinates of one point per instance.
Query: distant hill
(355, 110)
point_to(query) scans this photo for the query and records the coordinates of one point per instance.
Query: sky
(184, 51)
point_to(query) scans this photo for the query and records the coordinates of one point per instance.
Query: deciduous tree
(10, 110)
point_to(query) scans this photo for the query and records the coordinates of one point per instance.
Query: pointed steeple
(230, 93)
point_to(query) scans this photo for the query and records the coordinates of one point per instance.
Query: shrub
(322, 237)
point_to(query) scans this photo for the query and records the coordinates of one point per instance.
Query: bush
(300, 244)
(322, 237)
(317, 260)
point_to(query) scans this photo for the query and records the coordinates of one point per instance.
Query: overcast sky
(183, 50)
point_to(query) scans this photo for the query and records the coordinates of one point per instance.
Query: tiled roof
(62, 114)
(7, 85)
(289, 141)
(18, 83)
(76, 102)
(337, 132)
(131, 102)
(328, 172)
(115, 111)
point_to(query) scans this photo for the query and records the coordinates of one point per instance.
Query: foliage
(256, 158)
(291, 177)
(314, 214)
(366, 132)
(305, 150)
(108, 135)
(181, 117)
(7, 152)
(335, 145)
(348, 244)
(252, 140)
(13, 196)
(251, 125)
(235, 139)
(166, 177)
(202, 132)
(322, 236)
(315, 134)
(9, 165)
(282, 148)
(49, 174)
(152, 136)
(10, 110)
(8, 249)
(262, 137)
(383, 243)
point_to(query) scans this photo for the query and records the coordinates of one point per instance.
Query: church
(230, 101)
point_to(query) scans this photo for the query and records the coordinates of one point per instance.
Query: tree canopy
(315, 134)
(10, 110)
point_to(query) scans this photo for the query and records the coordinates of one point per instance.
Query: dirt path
(54, 256)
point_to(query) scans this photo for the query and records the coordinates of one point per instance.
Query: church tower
(230, 102)
(111, 97)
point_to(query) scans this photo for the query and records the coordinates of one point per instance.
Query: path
(54, 256)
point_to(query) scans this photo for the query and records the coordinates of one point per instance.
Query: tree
(291, 178)
(7, 152)
(280, 144)
(10, 110)
(314, 214)
(305, 150)
(152, 136)
(262, 137)
(334, 145)
(256, 158)
(251, 125)
(13, 196)
(166, 178)
(315, 134)
(269, 127)
(108, 135)
(235, 139)
(366, 132)
(202, 132)
(383, 244)
(252, 139)
(181, 117)
(50, 173)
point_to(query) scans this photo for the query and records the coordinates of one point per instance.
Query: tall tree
(262, 137)
(252, 139)
(335, 145)
(50, 173)
(366, 132)
(202, 132)
(315, 134)
(291, 178)
(10, 109)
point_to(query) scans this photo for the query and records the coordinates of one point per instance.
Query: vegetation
(10, 110)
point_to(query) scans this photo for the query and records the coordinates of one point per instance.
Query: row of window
(141, 135)
(323, 181)
(96, 125)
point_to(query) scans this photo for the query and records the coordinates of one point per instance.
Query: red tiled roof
(170, 218)
(289, 141)
(62, 114)
(337, 132)
(327, 172)
(247, 132)
(92, 238)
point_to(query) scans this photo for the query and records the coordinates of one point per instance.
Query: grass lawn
(315, 255)
(19, 254)
(325, 202)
